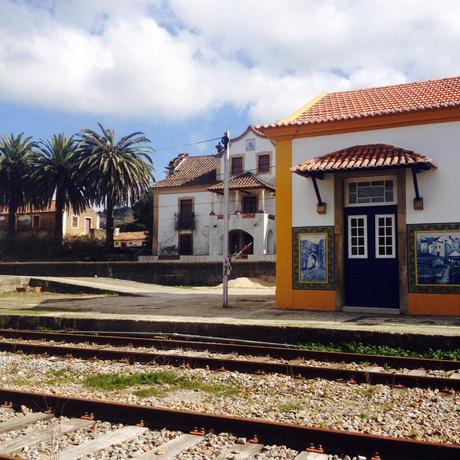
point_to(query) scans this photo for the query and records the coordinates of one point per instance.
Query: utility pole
(226, 260)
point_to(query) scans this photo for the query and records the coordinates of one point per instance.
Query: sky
(184, 71)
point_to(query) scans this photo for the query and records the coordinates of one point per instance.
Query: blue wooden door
(371, 257)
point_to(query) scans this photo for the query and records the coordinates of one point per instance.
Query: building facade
(42, 220)
(369, 219)
(188, 204)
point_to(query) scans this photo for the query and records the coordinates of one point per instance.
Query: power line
(187, 145)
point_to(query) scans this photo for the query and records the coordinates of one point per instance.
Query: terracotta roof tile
(29, 209)
(242, 182)
(192, 170)
(363, 157)
(127, 236)
(372, 102)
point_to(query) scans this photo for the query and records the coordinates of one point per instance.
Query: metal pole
(226, 261)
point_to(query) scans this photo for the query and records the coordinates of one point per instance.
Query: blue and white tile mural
(437, 257)
(313, 257)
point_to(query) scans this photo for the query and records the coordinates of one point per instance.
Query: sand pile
(245, 282)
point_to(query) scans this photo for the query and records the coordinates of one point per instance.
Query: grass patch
(358, 347)
(290, 407)
(59, 377)
(157, 383)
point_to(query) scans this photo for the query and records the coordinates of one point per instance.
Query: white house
(188, 203)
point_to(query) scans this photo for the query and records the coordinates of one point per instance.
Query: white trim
(370, 179)
(71, 221)
(393, 237)
(357, 256)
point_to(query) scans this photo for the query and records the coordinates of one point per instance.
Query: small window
(374, 192)
(237, 166)
(250, 145)
(385, 236)
(249, 204)
(357, 237)
(74, 221)
(36, 222)
(263, 163)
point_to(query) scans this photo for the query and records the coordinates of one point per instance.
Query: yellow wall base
(434, 304)
(306, 300)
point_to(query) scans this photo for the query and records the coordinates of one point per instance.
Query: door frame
(339, 234)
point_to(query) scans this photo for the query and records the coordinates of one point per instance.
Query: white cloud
(182, 58)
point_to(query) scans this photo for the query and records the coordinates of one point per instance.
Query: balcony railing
(185, 221)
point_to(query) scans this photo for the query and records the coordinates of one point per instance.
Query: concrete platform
(153, 308)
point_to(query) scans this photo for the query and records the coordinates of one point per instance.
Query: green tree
(17, 154)
(116, 173)
(56, 175)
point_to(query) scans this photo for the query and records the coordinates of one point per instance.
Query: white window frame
(71, 221)
(393, 235)
(350, 180)
(357, 256)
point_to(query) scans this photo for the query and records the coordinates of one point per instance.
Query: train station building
(368, 210)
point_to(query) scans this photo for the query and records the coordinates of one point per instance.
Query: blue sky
(183, 70)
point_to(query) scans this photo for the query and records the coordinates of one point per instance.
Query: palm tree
(116, 173)
(16, 156)
(56, 174)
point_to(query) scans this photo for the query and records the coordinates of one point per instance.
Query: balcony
(184, 221)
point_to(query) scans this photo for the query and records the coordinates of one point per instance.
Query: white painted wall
(440, 188)
(169, 206)
(262, 145)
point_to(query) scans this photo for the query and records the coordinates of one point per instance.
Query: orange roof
(29, 209)
(243, 181)
(197, 170)
(373, 102)
(127, 236)
(363, 157)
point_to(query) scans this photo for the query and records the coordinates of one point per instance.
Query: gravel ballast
(415, 413)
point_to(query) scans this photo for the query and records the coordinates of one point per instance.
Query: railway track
(261, 360)
(307, 443)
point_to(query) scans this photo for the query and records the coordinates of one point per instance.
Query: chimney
(174, 163)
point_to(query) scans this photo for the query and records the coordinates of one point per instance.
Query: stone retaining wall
(172, 274)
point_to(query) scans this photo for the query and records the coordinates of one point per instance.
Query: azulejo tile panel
(434, 258)
(313, 258)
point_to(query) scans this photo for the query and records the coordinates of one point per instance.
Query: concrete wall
(178, 273)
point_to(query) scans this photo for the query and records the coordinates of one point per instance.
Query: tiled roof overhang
(363, 157)
(245, 181)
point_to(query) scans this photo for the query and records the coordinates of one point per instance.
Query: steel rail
(296, 436)
(240, 365)
(288, 353)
